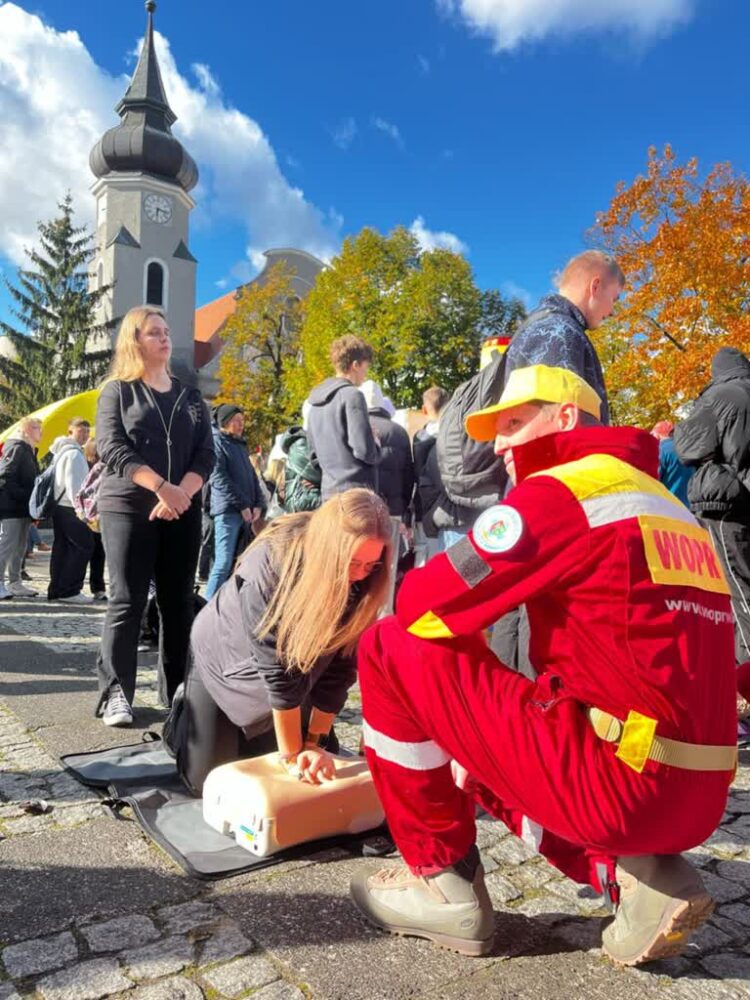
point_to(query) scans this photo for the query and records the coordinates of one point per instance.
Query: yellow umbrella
(55, 417)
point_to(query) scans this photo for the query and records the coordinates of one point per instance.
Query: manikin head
(351, 358)
(536, 402)
(592, 281)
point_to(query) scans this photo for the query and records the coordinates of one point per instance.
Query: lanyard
(167, 427)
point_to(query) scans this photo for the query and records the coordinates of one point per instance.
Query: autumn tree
(260, 339)
(683, 241)
(55, 344)
(421, 312)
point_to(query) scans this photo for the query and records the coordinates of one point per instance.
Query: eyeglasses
(367, 567)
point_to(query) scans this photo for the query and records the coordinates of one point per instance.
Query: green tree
(260, 339)
(421, 312)
(500, 316)
(54, 351)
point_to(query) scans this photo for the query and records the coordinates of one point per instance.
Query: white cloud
(389, 129)
(55, 102)
(344, 133)
(512, 290)
(429, 239)
(424, 64)
(511, 22)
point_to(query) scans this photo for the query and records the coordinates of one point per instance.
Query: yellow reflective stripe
(429, 626)
(635, 743)
(597, 475)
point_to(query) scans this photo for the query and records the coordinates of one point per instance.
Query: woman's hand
(315, 765)
(161, 512)
(173, 497)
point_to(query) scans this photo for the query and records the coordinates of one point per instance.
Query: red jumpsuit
(629, 612)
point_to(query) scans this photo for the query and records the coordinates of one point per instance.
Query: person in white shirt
(74, 541)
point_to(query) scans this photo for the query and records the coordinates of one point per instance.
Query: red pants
(541, 768)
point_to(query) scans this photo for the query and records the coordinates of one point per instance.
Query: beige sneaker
(662, 901)
(443, 908)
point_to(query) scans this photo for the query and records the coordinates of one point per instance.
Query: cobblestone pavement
(286, 932)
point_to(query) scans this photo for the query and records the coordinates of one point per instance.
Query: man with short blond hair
(338, 426)
(620, 754)
(554, 333)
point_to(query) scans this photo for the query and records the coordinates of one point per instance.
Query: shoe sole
(674, 933)
(464, 946)
(118, 720)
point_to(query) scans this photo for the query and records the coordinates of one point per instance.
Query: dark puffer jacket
(18, 470)
(716, 438)
(302, 473)
(234, 485)
(396, 469)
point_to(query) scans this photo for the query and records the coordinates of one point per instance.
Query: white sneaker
(19, 589)
(5, 594)
(79, 598)
(117, 710)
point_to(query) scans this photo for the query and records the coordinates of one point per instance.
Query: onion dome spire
(143, 141)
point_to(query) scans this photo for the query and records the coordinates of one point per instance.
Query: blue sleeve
(547, 343)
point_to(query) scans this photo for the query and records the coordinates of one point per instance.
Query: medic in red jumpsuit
(629, 616)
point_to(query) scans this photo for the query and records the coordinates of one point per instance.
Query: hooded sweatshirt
(341, 438)
(396, 470)
(71, 468)
(716, 438)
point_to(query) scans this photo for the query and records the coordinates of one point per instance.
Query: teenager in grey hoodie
(339, 431)
(73, 540)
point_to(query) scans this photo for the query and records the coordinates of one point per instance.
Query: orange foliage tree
(684, 244)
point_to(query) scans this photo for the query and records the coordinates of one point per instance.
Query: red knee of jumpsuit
(629, 611)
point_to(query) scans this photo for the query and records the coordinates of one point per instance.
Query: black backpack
(472, 474)
(43, 500)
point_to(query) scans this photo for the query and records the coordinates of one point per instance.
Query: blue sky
(387, 113)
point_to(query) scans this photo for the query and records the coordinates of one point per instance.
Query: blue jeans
(226, 532)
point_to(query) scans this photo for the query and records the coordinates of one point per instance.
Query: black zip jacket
(130, 432)
(396, 469)
(18, 470)
(244, 674)
(716, 438)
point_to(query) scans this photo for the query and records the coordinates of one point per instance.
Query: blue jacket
(554, 334)
(234, 485)
(673, 474)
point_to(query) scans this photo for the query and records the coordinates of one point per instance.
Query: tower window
(155, 284)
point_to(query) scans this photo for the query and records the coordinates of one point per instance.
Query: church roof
(143, 141)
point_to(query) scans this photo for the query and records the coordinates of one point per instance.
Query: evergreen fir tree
(56, 345)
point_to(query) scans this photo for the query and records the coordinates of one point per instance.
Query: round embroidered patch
(498, 529)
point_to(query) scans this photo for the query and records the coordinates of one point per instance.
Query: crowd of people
(565, 652)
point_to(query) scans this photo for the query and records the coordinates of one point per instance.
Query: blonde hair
(310, 608)
(588, 264)
(276, 472)
(89, 451)
(22, 431)
(127, 362)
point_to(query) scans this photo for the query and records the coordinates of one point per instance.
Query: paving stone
(158, 959)
(727, 965)
(740, 828)
(188, 916)
(547, 906)
(242, 974)
(122, 932)
(8, 992)
(694, 987)
(737, 933)
(735, 871)
(279, 991)
(85, 981)
(227, 942)
(708, 938)
(29, 958)
(531, 876)
(512, 851)
(722, 890)
(583, 935)
(736, 911)
(501, 890)
(178, 988)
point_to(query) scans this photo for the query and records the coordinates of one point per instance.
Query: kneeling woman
(274, 652)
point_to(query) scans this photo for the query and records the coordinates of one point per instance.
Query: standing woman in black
(154, 436)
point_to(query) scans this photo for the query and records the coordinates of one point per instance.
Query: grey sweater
(341, 439)
(242, 673)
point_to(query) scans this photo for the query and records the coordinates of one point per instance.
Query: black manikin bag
(143, 777)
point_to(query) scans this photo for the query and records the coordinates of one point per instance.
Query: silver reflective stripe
(612, 507)
(467, 562)
(531, 833)
(416, 756)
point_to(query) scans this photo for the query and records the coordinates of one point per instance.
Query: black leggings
(204, 737)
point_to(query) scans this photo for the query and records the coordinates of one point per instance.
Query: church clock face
(158, 208)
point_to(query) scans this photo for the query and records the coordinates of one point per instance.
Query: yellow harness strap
(637, 742)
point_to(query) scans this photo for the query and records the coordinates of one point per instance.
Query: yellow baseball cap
(538, 383)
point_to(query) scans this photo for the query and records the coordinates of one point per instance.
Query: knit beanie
(225, 412)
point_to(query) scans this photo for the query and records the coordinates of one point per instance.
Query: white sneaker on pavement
(5, 594)
(79, 598)
(19, 589)
(117, 710)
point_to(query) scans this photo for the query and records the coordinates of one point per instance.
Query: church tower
(143, 179)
